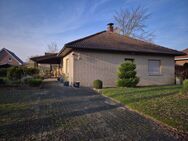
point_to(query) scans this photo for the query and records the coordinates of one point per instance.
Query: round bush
(97, 84)
(185, 87)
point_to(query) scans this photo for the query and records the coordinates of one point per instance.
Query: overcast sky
(28, 26)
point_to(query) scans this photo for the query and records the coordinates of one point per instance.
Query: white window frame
(154, 73)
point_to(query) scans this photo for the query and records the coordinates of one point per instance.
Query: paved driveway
(79, 114)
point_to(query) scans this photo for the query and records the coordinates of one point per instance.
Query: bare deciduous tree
(132, 23)
(52, 47)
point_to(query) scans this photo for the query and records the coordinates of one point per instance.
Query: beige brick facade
(68, 67)
(85, 66)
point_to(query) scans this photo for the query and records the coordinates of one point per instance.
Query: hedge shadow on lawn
(138, 91)
(150, 90)
(134, 100)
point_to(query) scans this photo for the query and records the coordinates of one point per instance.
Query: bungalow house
(98, 56)
(8, 58)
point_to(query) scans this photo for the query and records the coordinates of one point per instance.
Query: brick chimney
(110, 27)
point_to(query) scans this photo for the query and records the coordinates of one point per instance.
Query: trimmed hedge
(97, 84)
(127, 75)
(129, 82)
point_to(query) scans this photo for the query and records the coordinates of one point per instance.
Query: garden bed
(20, 77)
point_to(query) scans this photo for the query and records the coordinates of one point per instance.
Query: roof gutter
(123, 51)
(180, 59)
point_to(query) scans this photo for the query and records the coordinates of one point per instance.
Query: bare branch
(132, 22)
(52, 47)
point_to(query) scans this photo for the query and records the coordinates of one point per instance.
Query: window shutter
(154, 67)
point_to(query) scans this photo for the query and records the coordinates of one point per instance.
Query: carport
(50, 59)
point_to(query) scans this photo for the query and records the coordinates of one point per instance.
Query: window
(129, 59)
(10, 59)
(154, 67)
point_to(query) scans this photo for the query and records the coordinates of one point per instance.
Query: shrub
(15, 82)
(3, 72)
(34, 82)
(31, 71)
(185, 87)
(128, 82)
(2, 81)
(26, 79)
(127, 75)
(97, 84)
(39, 77)
(15, 73)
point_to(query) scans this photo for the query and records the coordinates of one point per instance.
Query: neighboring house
(8, 58)
(98, 56)
(181, 60)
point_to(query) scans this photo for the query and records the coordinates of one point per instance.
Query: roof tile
(112, 41)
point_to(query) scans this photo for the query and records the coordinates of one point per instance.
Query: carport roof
(47, 59)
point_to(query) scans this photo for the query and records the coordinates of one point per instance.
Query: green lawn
(163, 103)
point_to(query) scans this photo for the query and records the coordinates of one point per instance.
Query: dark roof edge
(67, 44)
(153, 44)
(124, 51)
(44, 57)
